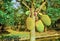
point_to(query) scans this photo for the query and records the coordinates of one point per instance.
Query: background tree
(6, 13)
(53, 10)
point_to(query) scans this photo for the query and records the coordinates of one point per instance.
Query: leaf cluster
(6, 13)
(53, 9)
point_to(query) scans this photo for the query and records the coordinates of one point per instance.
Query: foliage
(6, 13)
(53, 10)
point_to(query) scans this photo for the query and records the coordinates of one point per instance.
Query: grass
(26, 35)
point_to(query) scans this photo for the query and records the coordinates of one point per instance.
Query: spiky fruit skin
(30, 23)
(46, 20)
(39, 26)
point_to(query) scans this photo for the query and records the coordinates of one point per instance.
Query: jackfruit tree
(36, 15)
(36, 10)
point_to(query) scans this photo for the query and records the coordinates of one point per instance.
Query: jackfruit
(46, 20)
(44, 8)
(39, 26)
(30, 23)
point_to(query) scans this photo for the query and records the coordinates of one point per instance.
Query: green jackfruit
(39, 26)
(46, 20)
(30, 23)
(44, 8)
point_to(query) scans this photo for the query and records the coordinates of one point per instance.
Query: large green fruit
(30, 23)
(46, 20)
(39, 26)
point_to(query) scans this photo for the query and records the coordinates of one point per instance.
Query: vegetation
(53, 10)
(6, 14)
(29, 15)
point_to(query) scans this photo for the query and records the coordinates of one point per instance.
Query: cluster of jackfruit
(40, 24)
(44, 21)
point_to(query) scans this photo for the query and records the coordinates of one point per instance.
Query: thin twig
(26, 5)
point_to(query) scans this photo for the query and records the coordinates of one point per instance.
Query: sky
(15, 4)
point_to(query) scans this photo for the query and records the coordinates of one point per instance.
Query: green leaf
(27, 12)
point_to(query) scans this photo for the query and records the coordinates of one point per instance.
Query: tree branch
(39, 9)
(26, 5)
